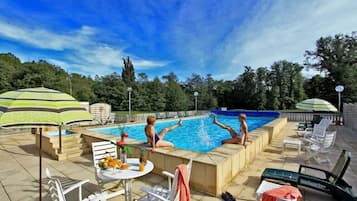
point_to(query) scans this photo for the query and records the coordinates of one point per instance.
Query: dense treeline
(279, 86)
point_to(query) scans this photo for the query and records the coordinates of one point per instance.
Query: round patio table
(127, 175)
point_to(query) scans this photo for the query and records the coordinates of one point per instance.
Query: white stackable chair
(322, 148)
(308, 131)
(325, 122)
(160, 193)
(71, 187)
(315, 137)
(100, 151)
(58, 194)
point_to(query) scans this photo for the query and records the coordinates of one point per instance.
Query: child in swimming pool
(156, 140)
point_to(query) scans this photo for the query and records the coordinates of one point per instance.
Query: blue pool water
(64, 132)
(196, 134)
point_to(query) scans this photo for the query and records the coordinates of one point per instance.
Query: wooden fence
(308, 116)
(121, 118)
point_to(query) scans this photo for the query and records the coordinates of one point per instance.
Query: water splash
(203, 135)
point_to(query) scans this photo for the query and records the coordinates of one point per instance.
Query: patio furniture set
(317, 141)
(113, 175)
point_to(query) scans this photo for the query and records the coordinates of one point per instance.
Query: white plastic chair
(71, 187)
(58, 194)
(160, 193)
(316, 135)
(322, 148)
(100, 151)
(325, 123)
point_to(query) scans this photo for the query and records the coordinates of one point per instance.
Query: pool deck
(19, 169)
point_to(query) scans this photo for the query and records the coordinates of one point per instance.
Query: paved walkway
(19, 169)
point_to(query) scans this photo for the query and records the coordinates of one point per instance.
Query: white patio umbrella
(316, 104)
(38, 107)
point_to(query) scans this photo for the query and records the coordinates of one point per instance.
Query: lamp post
(339, 89)
(129, 91)
(195, 94)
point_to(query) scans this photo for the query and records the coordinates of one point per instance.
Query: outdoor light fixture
(195, 94)
(339, 89)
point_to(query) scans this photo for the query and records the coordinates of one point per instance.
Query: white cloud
(44, 39)
(79, 48)
(146, 64)
(284, 30)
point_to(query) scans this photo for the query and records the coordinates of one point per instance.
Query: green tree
(41, 73)
(211, 88)
(112, 90)
(176, 98)
(261, 96)
(82, 87)
(246, 89)
(337, 58)
(9, 65)
(128, 73)
(156, 91)
(286, 85)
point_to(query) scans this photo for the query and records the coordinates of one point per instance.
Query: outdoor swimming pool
(197, 134)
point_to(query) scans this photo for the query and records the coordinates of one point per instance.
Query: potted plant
(124, 149)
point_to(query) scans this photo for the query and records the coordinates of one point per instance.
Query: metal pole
(60, 138)
(40, 154)
(339, 101)
(196, 104)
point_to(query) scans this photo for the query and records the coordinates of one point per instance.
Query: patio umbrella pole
(60, 138)
(40, 153)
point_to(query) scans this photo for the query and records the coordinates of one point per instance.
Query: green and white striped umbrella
(37, 107)
(316, 104)
(40, 106)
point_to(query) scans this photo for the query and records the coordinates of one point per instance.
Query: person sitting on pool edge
(240, 138)
(156, 140)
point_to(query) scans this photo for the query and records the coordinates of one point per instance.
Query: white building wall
(350, 115)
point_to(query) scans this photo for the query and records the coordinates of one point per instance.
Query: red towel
(183, 183)
(287, 192)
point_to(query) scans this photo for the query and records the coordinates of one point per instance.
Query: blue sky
(197, 36)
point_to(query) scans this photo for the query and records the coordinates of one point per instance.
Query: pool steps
(72, 146)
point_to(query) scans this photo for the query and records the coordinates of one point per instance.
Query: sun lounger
(333, 182)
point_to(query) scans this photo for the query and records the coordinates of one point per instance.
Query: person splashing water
(240, 138)
(156, 140)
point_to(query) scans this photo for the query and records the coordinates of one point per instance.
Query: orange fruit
(119, 163)
(124, 166)
(141, 167)
(112, 164)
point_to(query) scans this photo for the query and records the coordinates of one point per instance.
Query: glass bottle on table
(123, 155)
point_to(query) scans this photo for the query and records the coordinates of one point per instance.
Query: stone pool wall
(213, 170)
